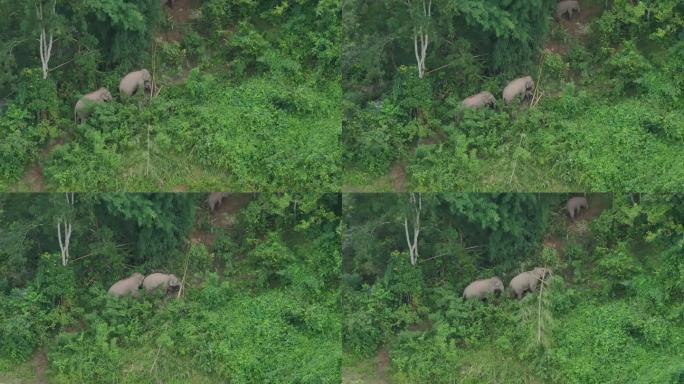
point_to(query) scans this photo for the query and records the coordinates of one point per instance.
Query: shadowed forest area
(611, 310)
(245, 95)
(606, 112)
(258, 300)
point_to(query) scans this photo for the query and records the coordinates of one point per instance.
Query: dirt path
(33, 178)
(41, 366)
(398, 176)
(369, 371)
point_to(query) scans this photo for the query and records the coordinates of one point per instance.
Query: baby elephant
(160, 281)
(482, 99)
(128, 286)
(567, 8)
(134, 81)
(575, 205)
(527, 281)
(214, 199)
(479, 288)
(523, 87)
(85, 105)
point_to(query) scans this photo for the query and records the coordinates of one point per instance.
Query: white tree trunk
(66, 223)
(45, 40)
(421, 39)
(413, 244)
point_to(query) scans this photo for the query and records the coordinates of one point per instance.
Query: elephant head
(480, 288)
(173, 281)
(567, 8)
(103, 94)
(147, 80)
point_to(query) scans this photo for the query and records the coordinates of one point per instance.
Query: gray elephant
(522, 86)
(127, 286)
(86, 104)
(527, 281)
(134, 81)
(482, 99)
(575, 205)
(480, 288)
(160, 281)
(567, 8)
(214, 199)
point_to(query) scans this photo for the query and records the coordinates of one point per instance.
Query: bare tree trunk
(421, 39)
(66, 223)
(413, 245)
(45, 40)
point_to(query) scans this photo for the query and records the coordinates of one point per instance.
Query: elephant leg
(533, 285)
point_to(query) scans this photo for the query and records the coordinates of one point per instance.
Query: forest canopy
(605, 112)
(258, 300)
(611, 311)
(245, 94)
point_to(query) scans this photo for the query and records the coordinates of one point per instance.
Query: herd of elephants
(522, 86)
(130, 84)
(163, 282)
(141, 79)
(526, 281)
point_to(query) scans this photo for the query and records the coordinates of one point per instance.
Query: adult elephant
(480, 288)
(127, 286)
(161, 281)
(86, 104)
(135, 81)
(527, 281)
(522, 86)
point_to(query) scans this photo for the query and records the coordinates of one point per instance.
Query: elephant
(215, 198)
(85, 105)
(479, 288)
(527, 281)
(135, 80)
(127, 286)
(482, 99)
(156, 280)
(575, 205)
(522, 86)
(567, 8)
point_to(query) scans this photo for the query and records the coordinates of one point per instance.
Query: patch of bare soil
(33, 178)
(180, 188)
(223, 216)
(383, 364)
(182, 12)
(578, 26)
(398, 176)
(41, 363)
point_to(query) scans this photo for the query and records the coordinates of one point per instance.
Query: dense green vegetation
(608, 113)
(612, 312)
(259, 304)
(247, 95)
